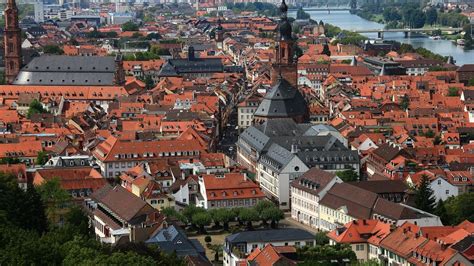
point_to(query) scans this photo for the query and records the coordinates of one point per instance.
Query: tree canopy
(35, 108)
(424, 198)
(53, 49)
(26, 238)
(130, 26)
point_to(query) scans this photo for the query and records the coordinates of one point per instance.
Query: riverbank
(351, 22)
(396, 17)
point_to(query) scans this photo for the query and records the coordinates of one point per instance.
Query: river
(348, 21)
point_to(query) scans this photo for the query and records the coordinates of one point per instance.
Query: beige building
(306, 192)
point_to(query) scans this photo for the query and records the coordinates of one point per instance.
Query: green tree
(149, 83)
(273, 214)
(470, 82)
(424, 198)
(326, 255)
(55, 198)
(404, 102)
(248, 215)
(18, 208)
(216, 249)
(35, 108)
(53, 49)
(321, 238)
(42, 158)
(224, 216)
(460, 208)
(431, 16)
(301, 14)
(453, 92)
(189, 211)
(130, 26)
(202, 219)
(348, 175)
(441, 212)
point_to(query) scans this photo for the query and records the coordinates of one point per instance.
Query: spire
(285, 25)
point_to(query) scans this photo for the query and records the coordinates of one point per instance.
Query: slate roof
(68, 70)
(275, 135)
(176, 67)
(314, 176)
(267, 236)
(174, 238)
(283, 100)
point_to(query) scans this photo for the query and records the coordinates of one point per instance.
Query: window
(439, 182)
(447, 191)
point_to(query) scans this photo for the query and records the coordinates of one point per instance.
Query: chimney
(294, 148)
(364, 222)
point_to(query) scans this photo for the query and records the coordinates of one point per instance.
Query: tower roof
(284, 26)
(283, 100)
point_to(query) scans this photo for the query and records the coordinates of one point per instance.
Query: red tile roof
(231, 186)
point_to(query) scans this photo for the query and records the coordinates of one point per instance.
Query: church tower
(119, 74)
(219, 33)
(12, 42)
(285, 59)
(284, 100)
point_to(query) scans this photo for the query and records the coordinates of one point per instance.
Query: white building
(306, 192)
(245, 112)
(442, 189)
(275, 170)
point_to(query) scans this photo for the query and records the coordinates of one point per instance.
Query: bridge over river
(407, 31)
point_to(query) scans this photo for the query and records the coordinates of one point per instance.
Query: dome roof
(283, 100)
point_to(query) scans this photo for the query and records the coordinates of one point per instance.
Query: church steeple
(12, 42)
(285, 63)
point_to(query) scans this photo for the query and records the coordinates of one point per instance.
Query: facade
(238, 246)
(115, 222)
(245, 111)
(345, 202)
(363, 236)
(228, 191)
(419, 67)
(407, 244)
(115, 156)
(280, 150)
(465, 73)
(306, 192)
(12, 42)
(442, 189)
